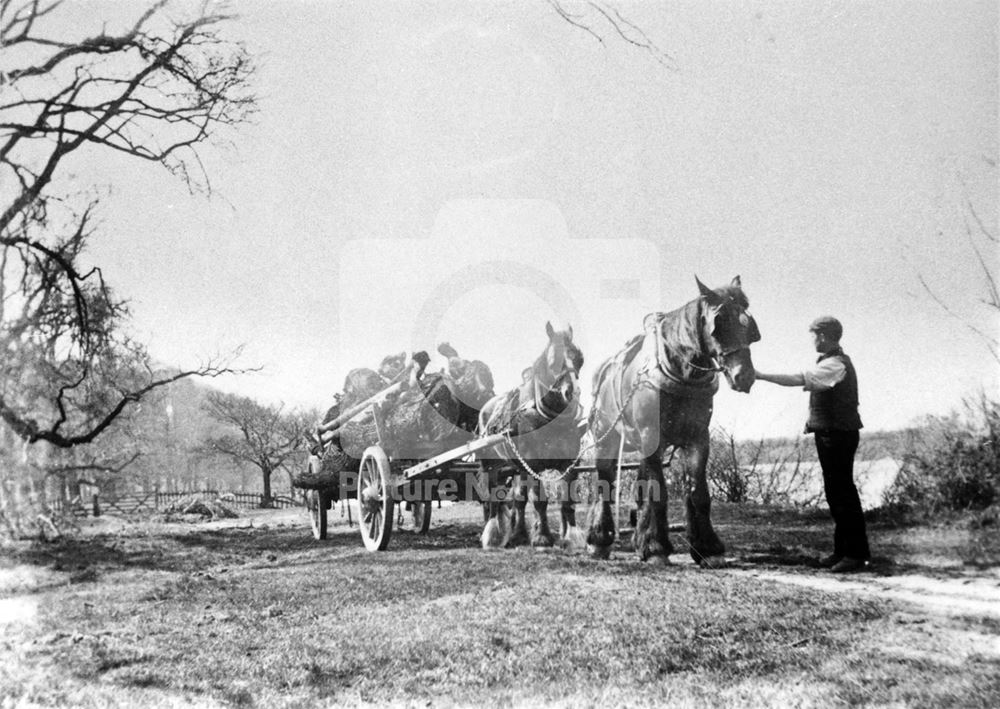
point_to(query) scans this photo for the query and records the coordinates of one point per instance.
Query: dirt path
(951, 616)
(974, 596)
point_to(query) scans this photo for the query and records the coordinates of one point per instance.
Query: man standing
(833, 419)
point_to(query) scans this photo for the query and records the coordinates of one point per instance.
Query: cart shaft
(454, 454)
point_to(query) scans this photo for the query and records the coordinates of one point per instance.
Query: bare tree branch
(978, 238)
(600, 15)
(31, 431)
(618, 23)
(990, 342)
(158, 91)
(93, 466)
(991, 286)
(573, 20)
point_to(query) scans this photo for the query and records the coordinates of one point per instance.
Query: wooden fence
(151, 502)
(242, 500)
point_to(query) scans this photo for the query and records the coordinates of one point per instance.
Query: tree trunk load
(422, 414)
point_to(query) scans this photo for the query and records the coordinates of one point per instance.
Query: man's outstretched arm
(785, 380)
(825, 375)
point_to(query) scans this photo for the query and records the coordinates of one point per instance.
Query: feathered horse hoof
(574, 540)
(599, 552)
(658, 560)
(495, 535)
(540, 536)
(542, 541)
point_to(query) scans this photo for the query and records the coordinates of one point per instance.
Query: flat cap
(828, 325)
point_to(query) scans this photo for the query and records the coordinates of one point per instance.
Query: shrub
(766, 471)
(952, 465)
(726, 473)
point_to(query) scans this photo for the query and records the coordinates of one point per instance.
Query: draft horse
(543, 418)
(656, 394)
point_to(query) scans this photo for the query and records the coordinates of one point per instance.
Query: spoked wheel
(421, 516)
(375, 499)
(316, 503)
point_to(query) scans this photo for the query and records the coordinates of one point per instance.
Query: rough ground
(254, 612)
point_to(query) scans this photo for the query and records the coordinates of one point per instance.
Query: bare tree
(263, 436)
(980, 238)
(155, 92)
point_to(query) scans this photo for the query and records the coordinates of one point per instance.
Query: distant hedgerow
(953, 465)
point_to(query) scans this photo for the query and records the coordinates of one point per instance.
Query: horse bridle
(716, 357)
(540, 397)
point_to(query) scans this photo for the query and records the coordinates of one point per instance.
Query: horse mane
(575, 356)
(683, 324)
(681, 330)
(734, 293)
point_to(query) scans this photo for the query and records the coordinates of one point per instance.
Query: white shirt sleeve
(825, 375)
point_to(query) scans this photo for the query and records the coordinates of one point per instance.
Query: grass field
(257, 613)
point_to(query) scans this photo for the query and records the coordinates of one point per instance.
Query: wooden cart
(381, 480)
(385, 471)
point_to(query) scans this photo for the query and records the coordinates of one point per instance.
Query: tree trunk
(266, 498)
(73, 486)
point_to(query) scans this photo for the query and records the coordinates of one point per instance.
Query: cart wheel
(316, 503)
(421, 516)
(375, 499)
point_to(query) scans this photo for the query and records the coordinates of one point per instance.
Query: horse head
(556, 371)
(728, 331)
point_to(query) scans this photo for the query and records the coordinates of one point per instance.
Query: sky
(465, 172)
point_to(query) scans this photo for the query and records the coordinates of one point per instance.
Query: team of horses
(653, 398)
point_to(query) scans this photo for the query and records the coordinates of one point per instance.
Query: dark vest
(836, 409)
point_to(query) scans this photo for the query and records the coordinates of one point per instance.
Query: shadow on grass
(754, 535)
(199, 549)
(169, 552)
